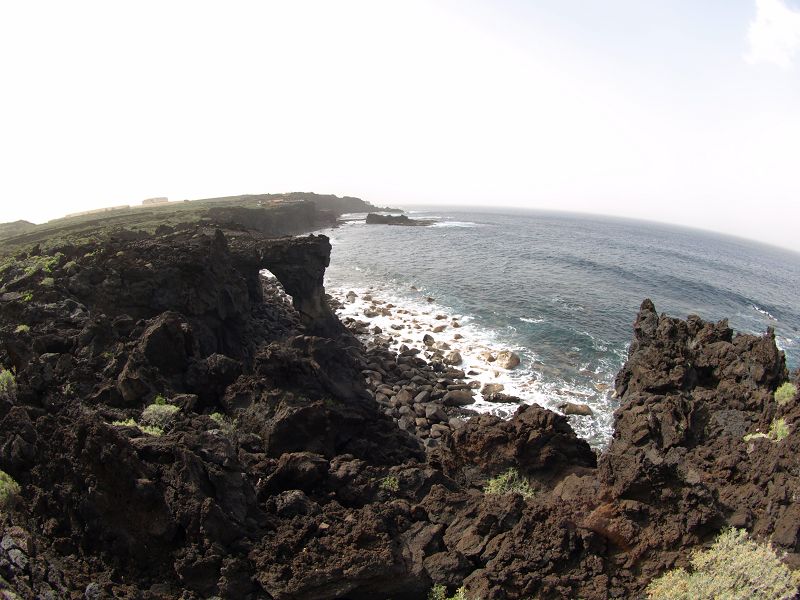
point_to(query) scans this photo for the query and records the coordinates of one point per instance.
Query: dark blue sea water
(563, 290)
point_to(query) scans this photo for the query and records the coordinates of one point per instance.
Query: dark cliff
(271, 471)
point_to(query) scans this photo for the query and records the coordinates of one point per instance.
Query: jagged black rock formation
(297, 463)
(375, 219)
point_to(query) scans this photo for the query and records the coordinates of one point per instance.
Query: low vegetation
(8, 385)
(158, 415)
(509, 482)
(9, 490)
(785, 393)
(148, 429)
(439, 592)
(154, 419)
(390, 483)
(734, 568)
(46, 264)
(224, 423)
(22, 329)
(778, 430)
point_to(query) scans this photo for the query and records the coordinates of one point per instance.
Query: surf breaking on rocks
(501, 376)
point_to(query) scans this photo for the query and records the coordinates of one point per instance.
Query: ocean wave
(766, 313)
(464, 224)
(533, 321)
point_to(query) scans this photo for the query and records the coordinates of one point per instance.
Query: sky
(676, 111)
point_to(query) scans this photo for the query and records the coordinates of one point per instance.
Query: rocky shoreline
(288, 460)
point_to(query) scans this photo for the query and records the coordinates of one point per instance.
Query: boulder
(575, 408)
(458, 398)
(453, 358)
(492, 388)
(507, 359)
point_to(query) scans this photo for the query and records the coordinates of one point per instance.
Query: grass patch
(22, 329)
(9, 490)
(509, 482)
(735, 567)
(785, 393)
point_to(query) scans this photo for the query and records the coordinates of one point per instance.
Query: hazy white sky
(681, 111)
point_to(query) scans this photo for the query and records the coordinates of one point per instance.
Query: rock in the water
(575, 408)
(501, 398)
(507, 359)
(492, 388)
(375, 219)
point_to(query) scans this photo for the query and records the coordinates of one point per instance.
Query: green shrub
(27, 297)
(509, 482)
(9, 490)
(22, 329)
(158, 415)
(734, 568)
(48, 282)
(439, 592)
(160, 400)
(390, 483)
(8, 385)
(785, 393)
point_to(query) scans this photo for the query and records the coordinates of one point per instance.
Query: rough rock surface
(297, 463)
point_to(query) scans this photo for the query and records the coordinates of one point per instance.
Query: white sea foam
(466, 224)
(784, 343)
(534, 321)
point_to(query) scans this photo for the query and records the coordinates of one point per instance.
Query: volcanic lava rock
(302, 465)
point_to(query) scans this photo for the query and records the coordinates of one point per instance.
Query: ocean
(560, 290)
